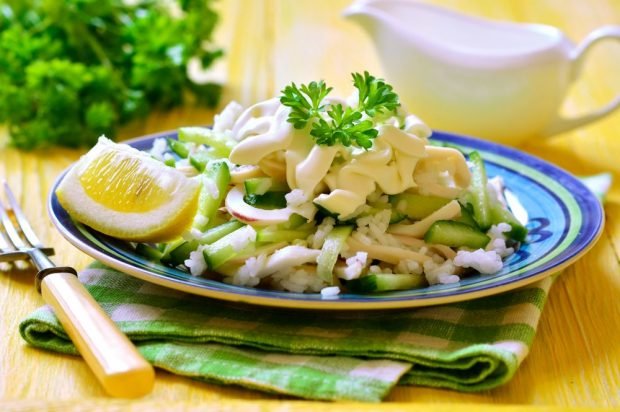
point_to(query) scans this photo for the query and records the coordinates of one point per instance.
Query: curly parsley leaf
(333, 124)
(305, 102)
(375, 96)
(72, 70)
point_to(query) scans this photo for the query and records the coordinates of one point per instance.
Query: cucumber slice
(222, 250)
(415, 206)
(395, 216)
(324, 211)
(179, 148)
(479, 194)
(261, 185)
(216, 233)
(518, 232)
(455, 234)
(293, 222)
(149, 252)
(219, 175)
(334, 242)
(269, 200)
(200, 159)
(383, 282)
(467, 216)
(170, 161)
(221, 143)
(281, 235)
(179, 252)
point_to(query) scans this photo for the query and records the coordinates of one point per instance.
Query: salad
(308, 192)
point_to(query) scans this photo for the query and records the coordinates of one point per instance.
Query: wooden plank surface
(575, 357)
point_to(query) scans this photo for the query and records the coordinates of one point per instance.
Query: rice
(376, 269)
(407, 266)
(301, 204)
(330, 292)
(440, 273)
(196, 262)
(373, 228)
(159, 148)
(300, 280)
(317, 239)
(246, 235)
(249, 273)
(355, 266)
(498, 240)
(484, 261)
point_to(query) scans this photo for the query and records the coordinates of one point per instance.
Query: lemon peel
(122, 192)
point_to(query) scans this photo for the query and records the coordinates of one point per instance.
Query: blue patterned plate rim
(568, 220)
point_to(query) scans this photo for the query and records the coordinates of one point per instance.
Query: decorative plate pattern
(565, 220)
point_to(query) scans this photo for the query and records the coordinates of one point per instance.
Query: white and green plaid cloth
(467, 346)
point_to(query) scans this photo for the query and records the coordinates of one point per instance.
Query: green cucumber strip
(322, 210)
(221, 143)
(415, 206)
(216, 233)
(294, 222)
(200, 159)
(518, 232)
(178, 253)
(455, 234)
(219, 174)
(334, 242)
(395, 216)
(467, 216)
(179, 148)
(479, 193)
(262, 185)
(169, 247)
(280, 235)
(170, 162)
(222, 250)
(268, 201)
(383, 282)
(149, 252)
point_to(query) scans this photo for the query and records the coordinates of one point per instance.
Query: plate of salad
(312, 201)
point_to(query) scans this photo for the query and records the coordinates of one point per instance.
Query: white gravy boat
(498, 80)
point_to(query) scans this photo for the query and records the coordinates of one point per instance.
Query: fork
(115, 361)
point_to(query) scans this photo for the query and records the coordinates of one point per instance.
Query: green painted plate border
(568, 200)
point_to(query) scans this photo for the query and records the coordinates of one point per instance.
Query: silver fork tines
(21, 219)
(13, 246)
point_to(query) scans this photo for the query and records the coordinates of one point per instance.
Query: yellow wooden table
(575, 359)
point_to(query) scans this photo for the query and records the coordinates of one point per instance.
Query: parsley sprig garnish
(332, 123)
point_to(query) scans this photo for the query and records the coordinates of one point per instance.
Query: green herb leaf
(305, 102)
(375, 96)
(333, 124)
(71, 70)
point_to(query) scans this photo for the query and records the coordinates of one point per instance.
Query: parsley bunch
(71, 70)
(345, 126)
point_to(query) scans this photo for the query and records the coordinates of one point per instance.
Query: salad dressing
(391, 164)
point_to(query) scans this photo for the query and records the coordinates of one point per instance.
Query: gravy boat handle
(561, 124)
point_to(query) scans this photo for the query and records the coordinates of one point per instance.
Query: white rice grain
(486, 262)
(159, 148)
(196, 262)
(440, 273)
(355, 266)
(330, 292)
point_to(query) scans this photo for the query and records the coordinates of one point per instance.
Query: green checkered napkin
(467, 346)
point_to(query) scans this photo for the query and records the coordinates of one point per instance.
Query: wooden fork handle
(115, 361)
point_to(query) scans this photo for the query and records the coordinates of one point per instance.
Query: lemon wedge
(122, 192)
